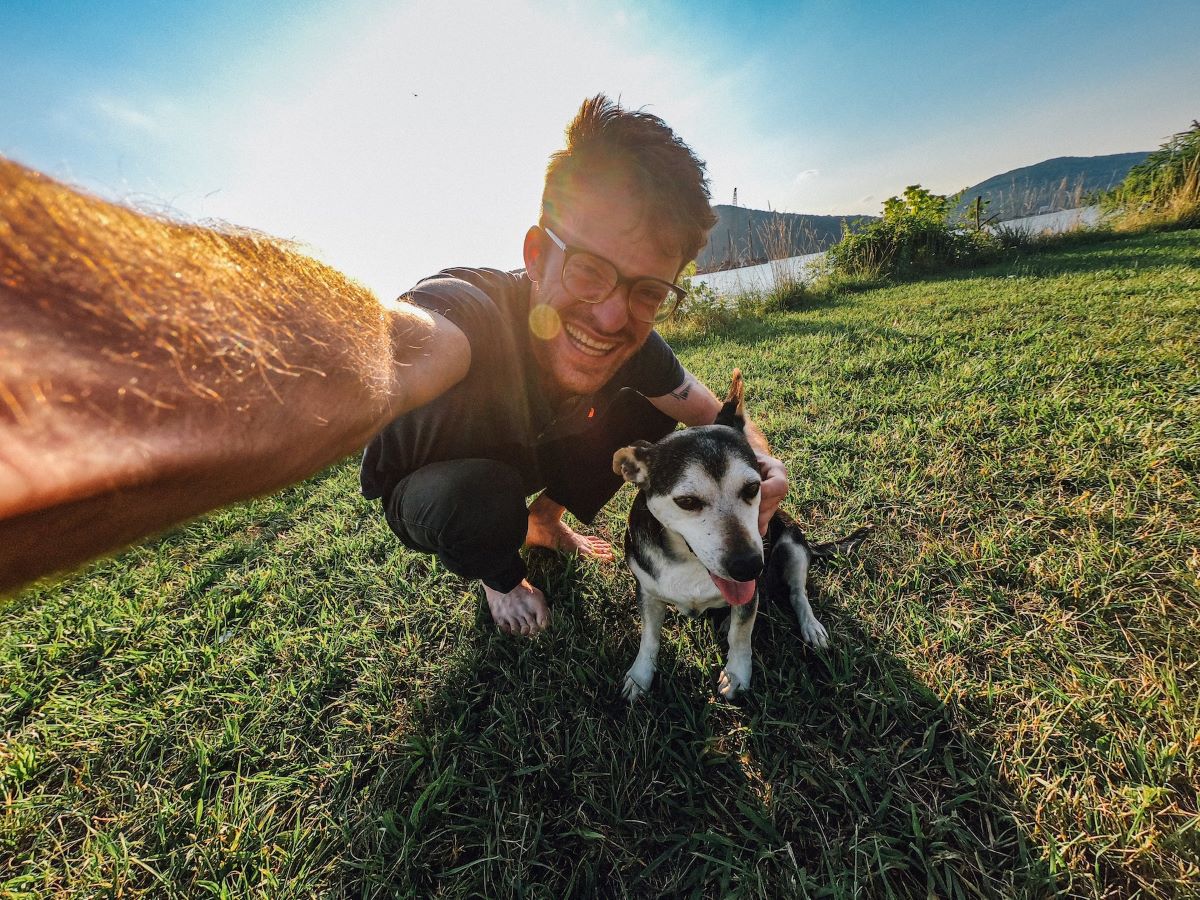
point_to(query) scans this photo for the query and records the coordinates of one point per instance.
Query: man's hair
(609, 146)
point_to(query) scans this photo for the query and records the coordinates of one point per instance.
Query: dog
(692, 541)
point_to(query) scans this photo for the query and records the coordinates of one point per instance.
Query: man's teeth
(586, 344)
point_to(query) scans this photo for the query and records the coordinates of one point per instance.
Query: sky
(395, 139)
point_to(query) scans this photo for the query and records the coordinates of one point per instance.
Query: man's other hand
(774, 487)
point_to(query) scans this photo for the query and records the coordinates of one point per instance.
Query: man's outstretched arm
(151, 371)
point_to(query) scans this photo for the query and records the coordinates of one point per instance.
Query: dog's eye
(750, 491)
(688, 502)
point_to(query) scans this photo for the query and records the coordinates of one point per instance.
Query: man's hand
(774, 487)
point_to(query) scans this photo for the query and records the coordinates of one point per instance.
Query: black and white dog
(692, 540)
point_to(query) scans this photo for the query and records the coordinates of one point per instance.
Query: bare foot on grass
(547, 529)
(522, 610)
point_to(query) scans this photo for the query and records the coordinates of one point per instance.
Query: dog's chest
(684, 584)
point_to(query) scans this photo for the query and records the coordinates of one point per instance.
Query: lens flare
(544, 322)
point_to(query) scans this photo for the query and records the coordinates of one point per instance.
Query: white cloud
(806, 175)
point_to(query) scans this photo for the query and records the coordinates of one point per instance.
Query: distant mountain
(1064, 182)
(747, 236)
(744, 237)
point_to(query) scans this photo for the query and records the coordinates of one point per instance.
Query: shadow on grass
(525, 774)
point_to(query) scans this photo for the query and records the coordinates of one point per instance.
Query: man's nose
(612, 313)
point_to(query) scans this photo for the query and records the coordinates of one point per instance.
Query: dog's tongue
(736, 593)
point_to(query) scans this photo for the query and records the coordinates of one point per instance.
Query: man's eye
(750, 491)
(651, 294)
(688, 502)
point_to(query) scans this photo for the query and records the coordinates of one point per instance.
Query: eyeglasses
(592, 279)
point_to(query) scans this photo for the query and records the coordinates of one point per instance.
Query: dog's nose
(746, 567)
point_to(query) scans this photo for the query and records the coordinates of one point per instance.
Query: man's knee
(488, 505)
(476, 503)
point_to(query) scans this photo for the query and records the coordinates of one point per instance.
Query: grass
(278, 701)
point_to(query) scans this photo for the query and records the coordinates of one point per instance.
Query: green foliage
(914, 237)
(703, 307)
(1166, 186)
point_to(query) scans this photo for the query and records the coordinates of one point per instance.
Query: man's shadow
(526, 774)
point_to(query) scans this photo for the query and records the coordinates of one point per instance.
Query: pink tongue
(736, 593)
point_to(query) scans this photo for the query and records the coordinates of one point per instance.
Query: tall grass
(1167, 206)
(1164, 191)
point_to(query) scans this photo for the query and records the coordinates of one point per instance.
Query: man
(151, 371)
(564, 366)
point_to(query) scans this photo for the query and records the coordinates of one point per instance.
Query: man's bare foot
(547, 529)
(522, 610)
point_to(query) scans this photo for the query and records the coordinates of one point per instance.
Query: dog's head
(703, 484)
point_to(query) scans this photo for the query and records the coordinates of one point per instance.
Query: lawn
(278, 701)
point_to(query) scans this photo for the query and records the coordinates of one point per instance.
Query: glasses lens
(589, 277)
(651, 300)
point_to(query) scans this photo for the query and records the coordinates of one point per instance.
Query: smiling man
(564, 366)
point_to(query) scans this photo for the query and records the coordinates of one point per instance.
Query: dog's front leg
(810, 626)
(641, 673)
(736, 676)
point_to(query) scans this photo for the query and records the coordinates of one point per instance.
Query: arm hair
(152, 370)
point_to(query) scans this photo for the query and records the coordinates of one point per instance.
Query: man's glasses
(592, 279)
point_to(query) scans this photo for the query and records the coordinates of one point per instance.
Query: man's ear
(535, 253)
(631, 463)
(733, 410)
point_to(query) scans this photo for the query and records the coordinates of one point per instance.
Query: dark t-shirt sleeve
(463, 304)
(653, 371)
(454, 424)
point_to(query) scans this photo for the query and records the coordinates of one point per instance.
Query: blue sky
(399, 138)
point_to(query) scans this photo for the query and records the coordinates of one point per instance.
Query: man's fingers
(765, 512)
(774, 488)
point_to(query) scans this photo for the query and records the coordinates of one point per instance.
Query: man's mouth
(586, 344)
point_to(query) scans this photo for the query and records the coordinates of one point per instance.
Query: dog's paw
(814, 633)
(636, 683)
(733, 681)
(632, 689)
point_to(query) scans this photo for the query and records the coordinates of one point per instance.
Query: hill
(1064, 182)
(747, 236)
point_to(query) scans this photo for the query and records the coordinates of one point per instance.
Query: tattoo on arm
(681, 392)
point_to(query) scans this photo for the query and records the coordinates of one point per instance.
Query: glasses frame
(674, 290)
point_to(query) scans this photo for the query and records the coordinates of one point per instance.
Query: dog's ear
(733, 412)
(630, 462)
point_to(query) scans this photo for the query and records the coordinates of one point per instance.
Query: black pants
(472, 514)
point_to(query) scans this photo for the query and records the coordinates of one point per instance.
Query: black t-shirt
(498, 411)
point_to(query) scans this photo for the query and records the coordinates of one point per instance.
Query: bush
(914, 237)
(1164, 190)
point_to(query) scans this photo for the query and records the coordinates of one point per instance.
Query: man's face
(580, 346)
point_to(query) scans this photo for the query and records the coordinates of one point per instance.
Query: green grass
(278, 701)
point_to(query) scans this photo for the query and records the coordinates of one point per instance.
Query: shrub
(914, 237)
(1164, 190)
